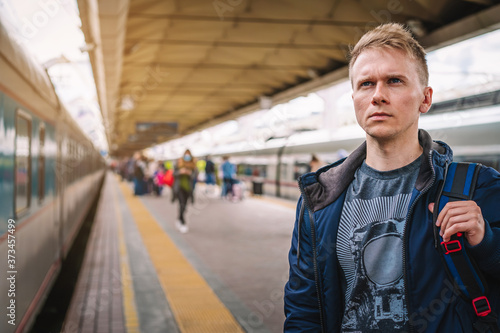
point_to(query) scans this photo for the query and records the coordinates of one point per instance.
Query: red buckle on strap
(482, 309)
(452, 246)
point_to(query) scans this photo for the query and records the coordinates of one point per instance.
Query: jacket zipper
(315, 262)
(408, 220)
(316, 271)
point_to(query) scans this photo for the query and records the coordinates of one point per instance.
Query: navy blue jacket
(314, 293)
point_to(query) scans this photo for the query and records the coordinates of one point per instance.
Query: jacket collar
(324, 186)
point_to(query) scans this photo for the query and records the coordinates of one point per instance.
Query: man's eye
(395, 80)
(365, 84)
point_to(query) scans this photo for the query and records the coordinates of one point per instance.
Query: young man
(363, 257)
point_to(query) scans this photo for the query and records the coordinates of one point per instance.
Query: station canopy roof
(166, 68)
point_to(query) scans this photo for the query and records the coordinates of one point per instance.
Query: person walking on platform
(151, 167)
(315, 163)
(366, 254)
(209, 173)
(140, 185)
(228, 172)
(184, 173)
(159, 178)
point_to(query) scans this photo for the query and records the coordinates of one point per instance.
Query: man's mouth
(379, 115)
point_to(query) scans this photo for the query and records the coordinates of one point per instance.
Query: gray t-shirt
(370, 248)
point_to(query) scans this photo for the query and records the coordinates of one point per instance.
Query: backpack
(210, 167)
(459, 184)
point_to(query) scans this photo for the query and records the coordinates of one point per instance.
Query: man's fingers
(461, 216)
(463, 227)
(450, 217)
(450, 210)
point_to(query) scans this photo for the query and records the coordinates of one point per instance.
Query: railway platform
(140, 274)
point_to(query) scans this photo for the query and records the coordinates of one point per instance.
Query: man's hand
(461, 216)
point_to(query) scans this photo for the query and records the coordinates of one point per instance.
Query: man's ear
(427, 101)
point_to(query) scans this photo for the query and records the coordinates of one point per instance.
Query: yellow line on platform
(129, 308)
(195, 306)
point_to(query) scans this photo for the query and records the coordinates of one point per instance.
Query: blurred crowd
(152, 177)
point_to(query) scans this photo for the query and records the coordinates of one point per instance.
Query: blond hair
(395, 36)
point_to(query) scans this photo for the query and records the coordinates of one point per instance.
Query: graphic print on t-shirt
(369, 247)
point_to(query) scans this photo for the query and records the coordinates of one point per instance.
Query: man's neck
(391, 155)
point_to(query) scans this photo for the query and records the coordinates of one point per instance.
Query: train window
(80, 161)
(65, 165)
(75, 161)
(23, 162)
(299, 169)
(69, 162)
(74, 164)
(85, 161)
(41, 163)
(284, 172)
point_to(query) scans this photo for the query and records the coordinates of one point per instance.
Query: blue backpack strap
(459, 184)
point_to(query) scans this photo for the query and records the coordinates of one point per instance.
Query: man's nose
(380, 95)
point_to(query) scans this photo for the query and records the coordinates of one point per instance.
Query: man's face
(387, 94)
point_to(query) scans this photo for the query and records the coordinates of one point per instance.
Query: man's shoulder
(488, 177)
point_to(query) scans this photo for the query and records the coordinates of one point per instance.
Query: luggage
(238, 190)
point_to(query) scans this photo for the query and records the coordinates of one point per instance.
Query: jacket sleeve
(487, 196)
(301, 299)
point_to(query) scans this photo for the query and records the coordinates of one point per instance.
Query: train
(470, 125)
(51, 174)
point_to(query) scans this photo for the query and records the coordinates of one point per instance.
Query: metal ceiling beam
(234, 85)
(223, 90)
(468, 27)
(202, 18)
(336, 46)
(200, 65)
(210, 89)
